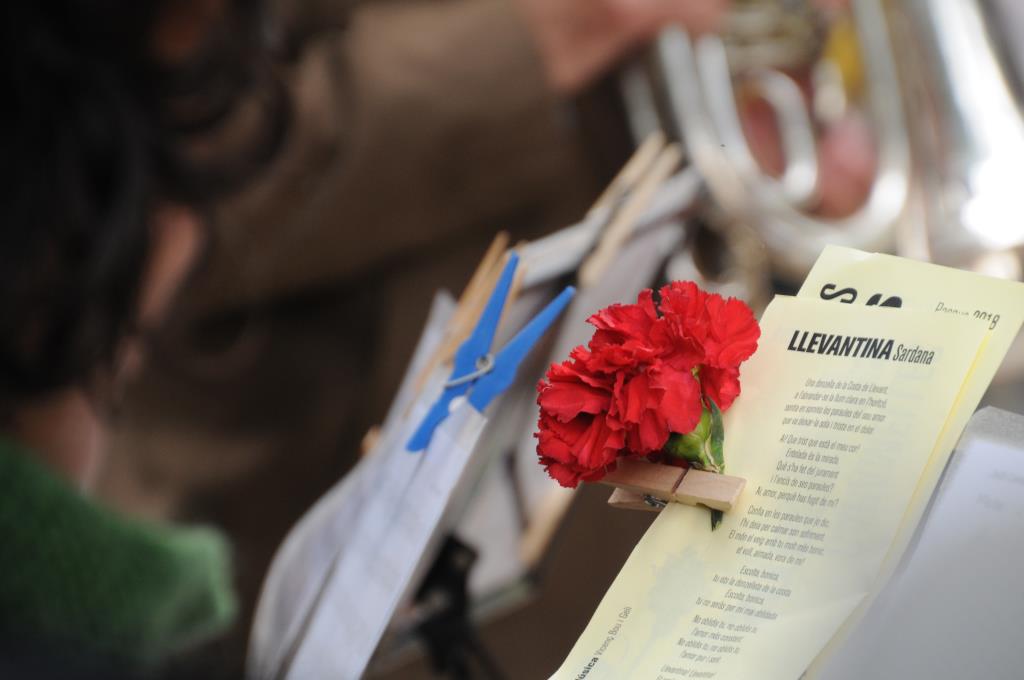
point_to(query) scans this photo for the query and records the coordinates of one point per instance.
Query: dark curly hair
(96, 131)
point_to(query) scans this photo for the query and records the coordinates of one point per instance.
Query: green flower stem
(703, 447)
(698, 446)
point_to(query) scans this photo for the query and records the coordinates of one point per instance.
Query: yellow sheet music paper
(856, 278)
(841, 409)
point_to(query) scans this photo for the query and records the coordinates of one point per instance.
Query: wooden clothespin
(475, 295)
(480, 373)
(631, 173)
(641, 485)
(467, 311)
(471, 303)
(652, 164)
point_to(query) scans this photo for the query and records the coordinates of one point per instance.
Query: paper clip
(640, 485)
(479, 373)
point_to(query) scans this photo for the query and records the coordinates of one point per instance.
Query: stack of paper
(354, 560)
(953, 608)
(848, 415)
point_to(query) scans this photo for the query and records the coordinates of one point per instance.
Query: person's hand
(578, 39)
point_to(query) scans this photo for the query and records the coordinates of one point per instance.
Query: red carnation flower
(642, 377)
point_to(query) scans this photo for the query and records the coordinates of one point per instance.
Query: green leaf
(690, 446)
(685, 446)
(703, 428)
(716, 518)
(717, 437)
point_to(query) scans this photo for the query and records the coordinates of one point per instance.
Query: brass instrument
(932, 80)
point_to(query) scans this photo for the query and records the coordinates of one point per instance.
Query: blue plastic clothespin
(476, 370)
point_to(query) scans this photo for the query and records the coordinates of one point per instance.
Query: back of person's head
(111, 111)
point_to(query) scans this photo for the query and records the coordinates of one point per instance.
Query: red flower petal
(636, 399)
(610, 358)
(575, 370)
(651, 434)
(566, 400)
(629, 321)
(598, 447)
(721, 384)
(566, 475)
(596, 475)
(680, 402)
(733, 332)
(684, 306)
(633, 384)
(557, 440)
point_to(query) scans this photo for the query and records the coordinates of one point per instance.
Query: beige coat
(421, 128)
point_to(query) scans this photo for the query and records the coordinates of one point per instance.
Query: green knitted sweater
(81, 577)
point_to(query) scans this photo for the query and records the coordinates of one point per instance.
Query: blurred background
(422, 127)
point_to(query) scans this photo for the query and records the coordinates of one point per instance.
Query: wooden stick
(672, 484)
(491, 256)
(652, 479)
(621, 226)
(471, 302)
(718, 492)
(474, 297)
(632, 171)
(517, 282)
(369, 441)
(628, 500)
(543, 525)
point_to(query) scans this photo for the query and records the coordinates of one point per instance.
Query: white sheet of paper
(832, 445)
(563, 251)
(380, 562)
(844, 275)
(310, 552)
(376, 526)
(953, 610)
